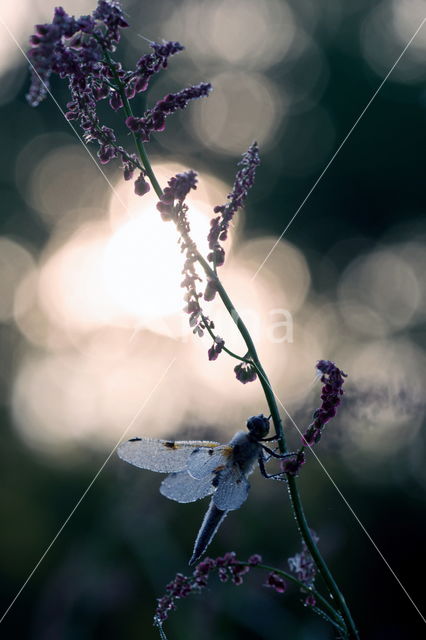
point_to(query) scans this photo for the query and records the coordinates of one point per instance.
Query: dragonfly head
(258, 426)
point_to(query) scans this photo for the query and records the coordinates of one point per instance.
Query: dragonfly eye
(258, 426)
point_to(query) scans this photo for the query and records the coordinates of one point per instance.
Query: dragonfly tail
(211, 523)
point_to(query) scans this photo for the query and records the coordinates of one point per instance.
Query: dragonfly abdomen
(211, 523)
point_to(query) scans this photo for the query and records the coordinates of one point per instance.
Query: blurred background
(94, 346)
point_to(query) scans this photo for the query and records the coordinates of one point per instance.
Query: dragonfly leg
(271, 439)
(267, 475)
(276, 455)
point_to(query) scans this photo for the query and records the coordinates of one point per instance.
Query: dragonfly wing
(164, 456)
(204, 461)
(184, 488)
(232, 488)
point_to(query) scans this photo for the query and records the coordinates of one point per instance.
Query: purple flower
(292, 464)
(245, 372)
(172, 207)
(302, 564)
(179, 588)
(141, 185)
(79, 49)
(216, 348)
(109, 13)
(210, 290)
(177, 188)
(310, 601)
(46, 47)
(276, 582)
(227, 567)
(333, 379)
(73, 47)
(150, 64)
(155, 119)
(115, 101)
(219, 226)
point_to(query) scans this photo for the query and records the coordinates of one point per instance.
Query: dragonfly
(198, 469)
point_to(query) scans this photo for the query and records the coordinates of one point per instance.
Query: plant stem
(276, 418)
(317, 557)
(267, 389)
(299, 584)
(128, 111)
(228, 351)
(292, 483)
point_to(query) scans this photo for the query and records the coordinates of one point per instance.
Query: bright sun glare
(143, 263)
(125, 270)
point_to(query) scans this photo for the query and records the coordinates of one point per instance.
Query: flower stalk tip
(332, 378)
(219, 226)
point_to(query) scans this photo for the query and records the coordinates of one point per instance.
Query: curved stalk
(292, 483)
(318, 559)
(266, 386)
(299, 584)
(276, 418)
(225, 349)
(128, 111)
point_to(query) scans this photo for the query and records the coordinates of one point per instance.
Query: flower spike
(219, 226)
(333, 379)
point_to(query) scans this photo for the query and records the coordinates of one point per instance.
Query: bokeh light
(379, 293)
(20, 22)
(253, 33)
(386, 405)
(243, 106)
(15, 263)
(387, 29)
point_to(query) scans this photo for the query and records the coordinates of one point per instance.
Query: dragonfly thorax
(245, 451)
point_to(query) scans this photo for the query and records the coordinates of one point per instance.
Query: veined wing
(164, 456)
(184, 488)
(232, 488)
(204, 461)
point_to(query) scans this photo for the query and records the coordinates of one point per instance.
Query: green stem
(292, 484)
(228, 351)
(128, 111)
(317, 557)
(267, 389)
(299, 584)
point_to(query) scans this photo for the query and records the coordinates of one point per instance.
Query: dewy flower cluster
(74, 47)
(228, 568)
(172, 206)
(80, 50)
(244, 180)
(155, 118)
(333, 379)
(302, 564)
